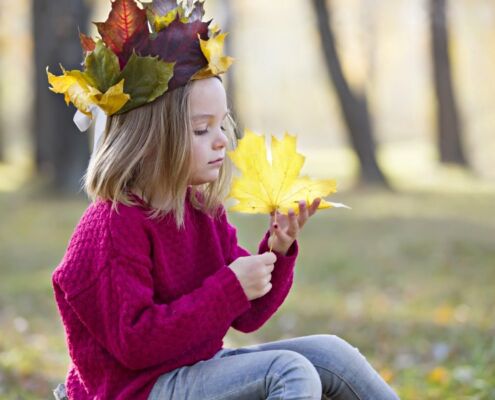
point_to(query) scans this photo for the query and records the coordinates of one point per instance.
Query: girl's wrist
(282, 249)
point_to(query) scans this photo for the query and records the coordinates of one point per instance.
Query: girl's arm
(119, 311)
(105, 285)
(282, 277)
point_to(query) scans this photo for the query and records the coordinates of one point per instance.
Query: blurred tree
(61, 150)
(230, 13)
(3, 51)
(354, 106)
(2, 141)
(448, 124)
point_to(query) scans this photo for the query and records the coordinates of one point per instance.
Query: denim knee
(337, 345)
(295, 374)
(345, 362)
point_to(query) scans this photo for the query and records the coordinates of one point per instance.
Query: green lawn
(408, 278)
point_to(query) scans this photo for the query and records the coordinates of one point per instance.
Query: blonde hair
(149, 148)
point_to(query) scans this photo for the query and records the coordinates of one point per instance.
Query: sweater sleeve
(119, 310)
(120, 313)
(282, 278)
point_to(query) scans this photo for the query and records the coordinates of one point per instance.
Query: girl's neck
(139, 194)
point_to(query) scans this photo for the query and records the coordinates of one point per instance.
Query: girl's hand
(285, 228)
(254, 273)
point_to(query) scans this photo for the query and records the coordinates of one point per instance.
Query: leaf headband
(143, 53)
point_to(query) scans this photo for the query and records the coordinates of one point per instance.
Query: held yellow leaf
(265, 187)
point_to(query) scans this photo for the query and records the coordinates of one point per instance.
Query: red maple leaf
(125, 28)
(179, 43)
(87, 43)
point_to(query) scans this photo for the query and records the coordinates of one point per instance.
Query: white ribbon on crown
(83, 122)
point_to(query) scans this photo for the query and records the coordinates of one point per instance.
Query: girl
(153, 276)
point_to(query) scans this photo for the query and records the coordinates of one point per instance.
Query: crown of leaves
(145, 50)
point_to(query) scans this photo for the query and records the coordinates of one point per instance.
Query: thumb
(268, 257)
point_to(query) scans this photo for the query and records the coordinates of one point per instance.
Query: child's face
(208, 103)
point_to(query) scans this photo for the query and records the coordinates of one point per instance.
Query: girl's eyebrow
(208, 115)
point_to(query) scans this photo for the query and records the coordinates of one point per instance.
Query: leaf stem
(273, 232)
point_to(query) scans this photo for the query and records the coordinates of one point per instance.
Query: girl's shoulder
(118, 223)
(104, 212)
(102, 235)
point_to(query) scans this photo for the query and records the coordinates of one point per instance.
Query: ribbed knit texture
(139, 298)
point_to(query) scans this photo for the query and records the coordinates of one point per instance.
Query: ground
(407, 277)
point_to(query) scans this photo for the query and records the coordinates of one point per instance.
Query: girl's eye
(201, 132)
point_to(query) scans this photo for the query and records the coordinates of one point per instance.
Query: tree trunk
(448, 124)
(354, 106)
(61, 151)
(230, 14)
(2, 131)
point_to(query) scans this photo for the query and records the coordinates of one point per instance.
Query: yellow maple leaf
(213, 30)
(78, 90)
(113, 99)
(218, 63)
(266, 187)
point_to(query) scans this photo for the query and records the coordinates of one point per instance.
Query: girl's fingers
(314, 206)
(281, 220)
(280, 233)
(293, 224)
(303, 213)
(274, 216)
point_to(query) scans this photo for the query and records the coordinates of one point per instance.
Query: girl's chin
(203, 180)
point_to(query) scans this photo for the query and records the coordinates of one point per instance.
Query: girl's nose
(220, 140)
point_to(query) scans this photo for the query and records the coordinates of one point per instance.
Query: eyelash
(202, 132)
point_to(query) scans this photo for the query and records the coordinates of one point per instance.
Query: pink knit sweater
(139, 298)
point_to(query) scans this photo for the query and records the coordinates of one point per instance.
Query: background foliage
(407, 275)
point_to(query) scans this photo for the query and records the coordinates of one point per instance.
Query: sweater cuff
(236, 299)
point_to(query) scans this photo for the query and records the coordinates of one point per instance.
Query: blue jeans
(309, 367)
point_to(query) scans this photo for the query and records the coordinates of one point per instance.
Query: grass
(408, 278)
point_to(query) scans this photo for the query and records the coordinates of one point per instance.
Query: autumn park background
(394, 99)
